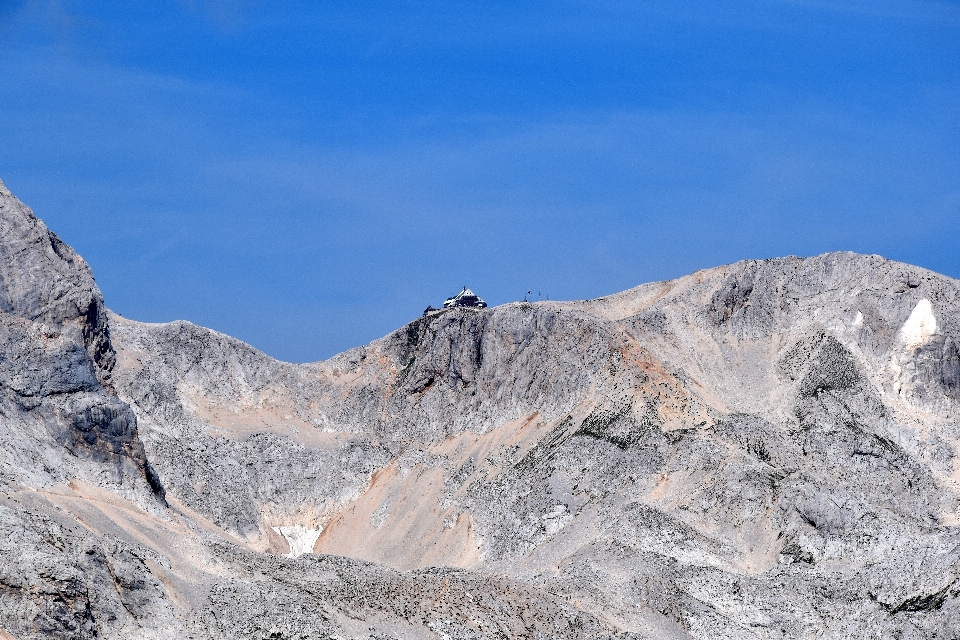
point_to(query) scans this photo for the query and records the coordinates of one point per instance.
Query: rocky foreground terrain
(762, 450)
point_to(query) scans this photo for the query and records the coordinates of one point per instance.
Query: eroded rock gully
(761, 450)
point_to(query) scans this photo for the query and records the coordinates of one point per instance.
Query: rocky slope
(762, 450)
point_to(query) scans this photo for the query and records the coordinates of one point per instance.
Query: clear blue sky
(310, 176)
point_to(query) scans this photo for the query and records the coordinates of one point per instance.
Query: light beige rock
(762, 450)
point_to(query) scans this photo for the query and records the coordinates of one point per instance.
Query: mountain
(761, 450)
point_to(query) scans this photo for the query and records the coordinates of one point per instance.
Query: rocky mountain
(762, 450)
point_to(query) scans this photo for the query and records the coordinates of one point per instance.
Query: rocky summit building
(465, 298)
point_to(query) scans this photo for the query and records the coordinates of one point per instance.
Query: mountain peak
(763, 449)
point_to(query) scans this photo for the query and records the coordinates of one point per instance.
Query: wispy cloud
(227, 15)
(223, 196)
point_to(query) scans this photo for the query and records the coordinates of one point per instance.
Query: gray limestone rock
(762, 450)
(44, 281)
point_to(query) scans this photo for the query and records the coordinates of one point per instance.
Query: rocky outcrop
(44, 281)
(762, 450)
(56, 364)
(60, 423)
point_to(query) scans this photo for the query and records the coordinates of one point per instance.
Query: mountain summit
(761, 450)
(465, 298)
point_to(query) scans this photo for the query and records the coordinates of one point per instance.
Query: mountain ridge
(766, 449)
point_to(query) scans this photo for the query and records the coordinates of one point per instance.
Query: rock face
(762, 450)
(56, 367)
(61, 425)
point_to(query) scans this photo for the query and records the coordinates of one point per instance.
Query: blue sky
(310, 176)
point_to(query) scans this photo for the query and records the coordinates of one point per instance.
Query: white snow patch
(919, 326)
(556, 519)
(300, 539)
(858, 321)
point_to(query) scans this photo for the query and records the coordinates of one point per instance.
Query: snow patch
(919, 326)
(556, 519)
(858, 321)
(300, 539)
